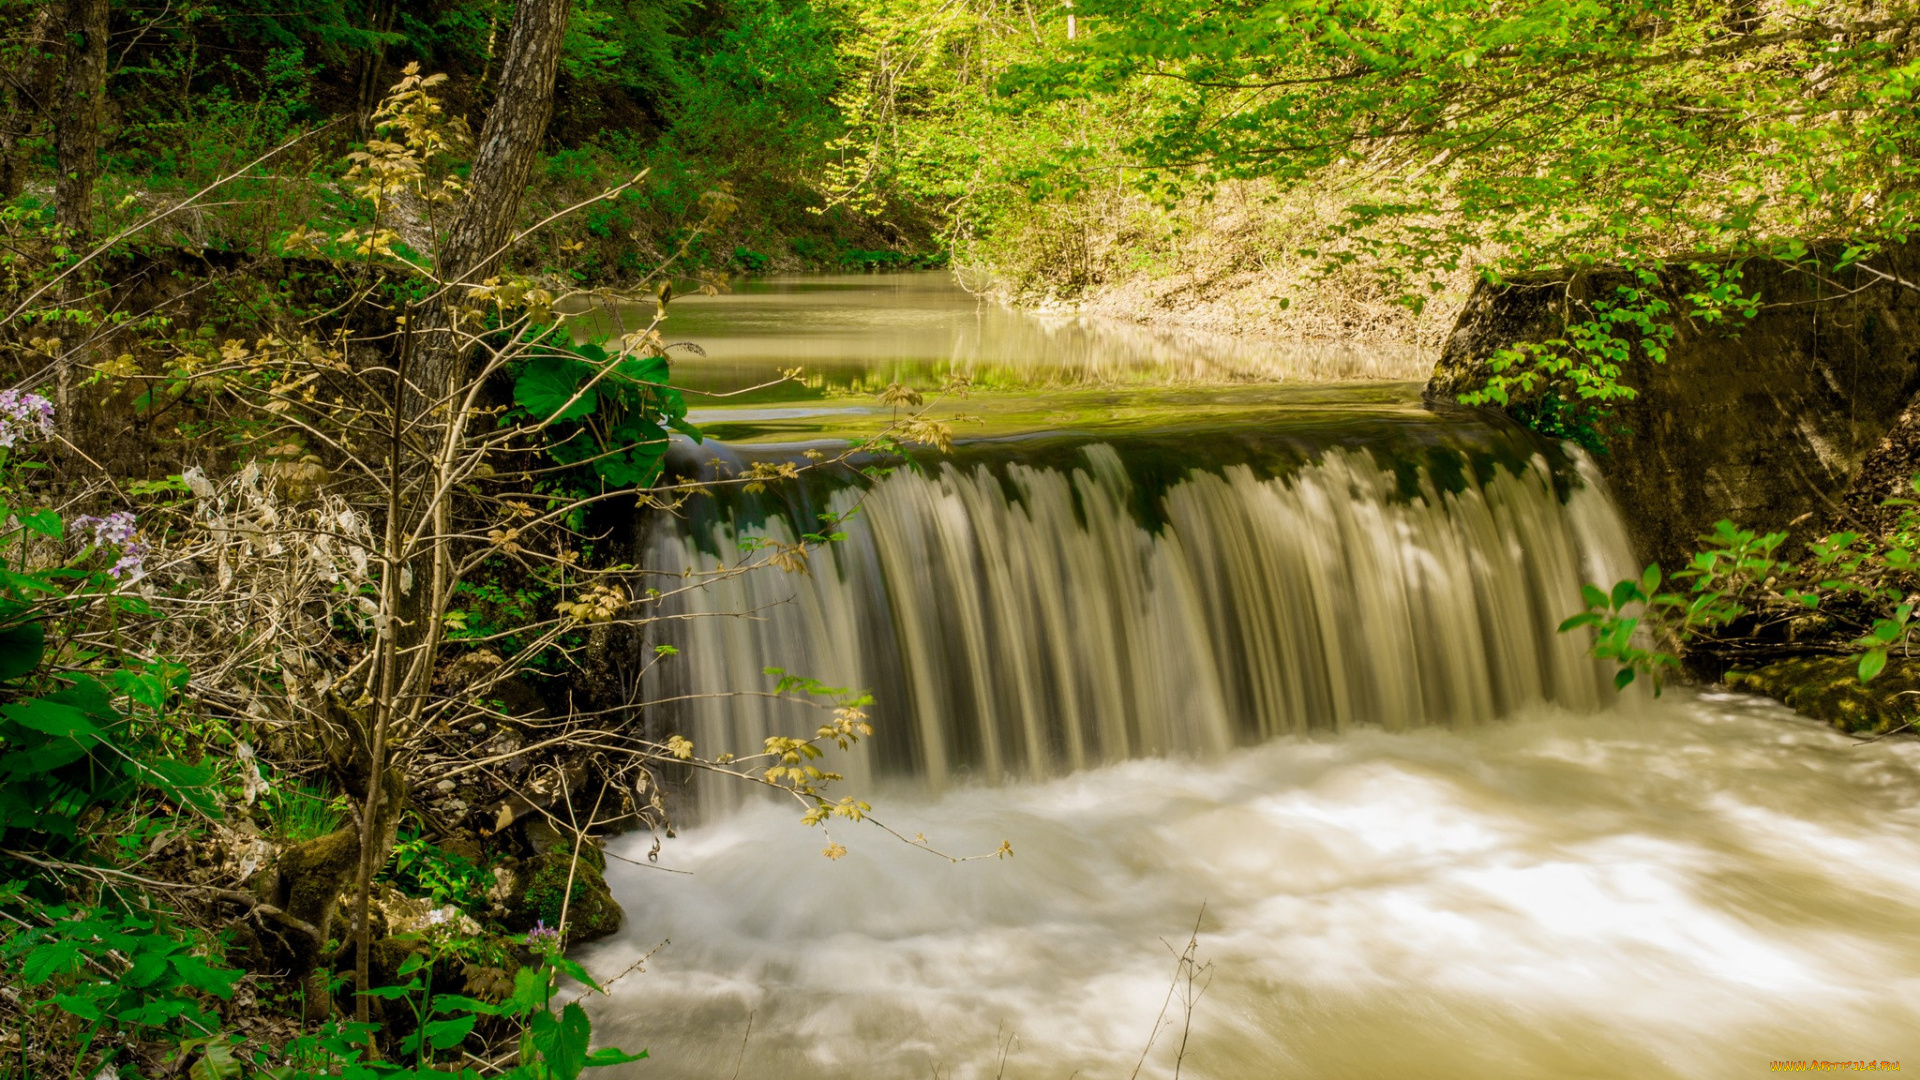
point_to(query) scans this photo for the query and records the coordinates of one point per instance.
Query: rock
(537, 890)
(1762, 421)
(445, 787)
(1828, 688)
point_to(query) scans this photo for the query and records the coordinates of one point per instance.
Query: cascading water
(1286, 677)
(1022, 622)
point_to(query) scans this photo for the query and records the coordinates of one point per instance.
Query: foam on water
(1693, 887)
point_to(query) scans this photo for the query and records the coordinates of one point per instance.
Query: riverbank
(1248, 261)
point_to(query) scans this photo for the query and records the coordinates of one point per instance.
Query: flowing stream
(1226, 650)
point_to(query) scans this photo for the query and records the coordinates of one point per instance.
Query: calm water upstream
(1196, 625)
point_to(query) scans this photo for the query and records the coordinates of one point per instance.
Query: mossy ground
(1828, 688)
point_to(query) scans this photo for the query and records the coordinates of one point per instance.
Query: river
(1232, 643)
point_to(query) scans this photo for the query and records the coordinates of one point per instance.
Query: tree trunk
(374, 61)
(81, 113)
(509, 145)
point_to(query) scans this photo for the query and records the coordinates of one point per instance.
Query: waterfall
(1029, 621)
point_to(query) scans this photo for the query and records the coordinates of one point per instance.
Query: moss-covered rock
(538, 890)
(1828, 688)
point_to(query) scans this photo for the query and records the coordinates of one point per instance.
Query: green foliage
(1564, 387)
(300, 813)
(493, 610)
(423, 869)
(606, 414)
(116, 970)
(1547, 131)
(65, 746)
(1619, 615)
(553, 1045)
(1739, 575)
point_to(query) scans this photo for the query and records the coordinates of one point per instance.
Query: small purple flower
(115, 530)
(24, 415)
(543, 939)
(130, 565)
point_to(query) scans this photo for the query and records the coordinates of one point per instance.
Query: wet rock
(1828, 688)
(537, 889)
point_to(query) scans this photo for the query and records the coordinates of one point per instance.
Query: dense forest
(321, 622)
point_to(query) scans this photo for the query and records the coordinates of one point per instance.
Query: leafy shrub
(119, 971)
(445, 878)
(607, 414)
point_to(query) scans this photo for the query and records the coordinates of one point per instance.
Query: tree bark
(80, 115)
(374, 61)
(509, 146)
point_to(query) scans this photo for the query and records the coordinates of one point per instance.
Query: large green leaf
(90, 696)
(608, 1055)
(646, 369)
(55, 718)
(684, 427)
(54, 958)
(447, 1034)
(637, 467)
(562, 1041)
(546, 390)
(22, 646)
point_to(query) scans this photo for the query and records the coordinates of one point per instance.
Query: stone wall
(1762, 421)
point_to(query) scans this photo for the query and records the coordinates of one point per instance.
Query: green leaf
(447, 1003)
(147, 969)
(562, 1042)
(530, 987)
(1872, 663)
(204, 977)
(21, 649)
(1593, 595)
(392, 993)
(90, 696)
(608, 1055)
(575, 972)
(647, 369)
(54, 718)
(1623, 678)
(447, 1034)
(546, 388)
(684, 427)
(45, 522)
(77, 1005)
(1624, 593)
(46, 961)
(218, 1063)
